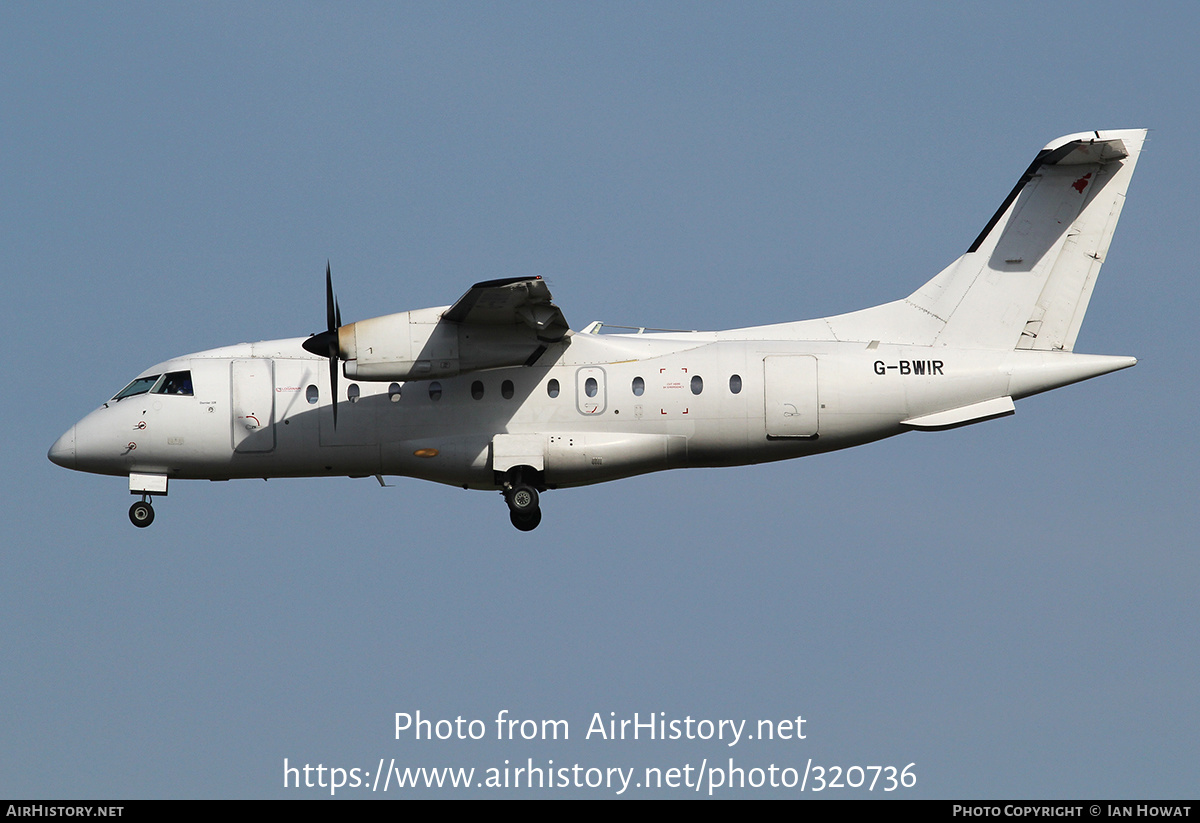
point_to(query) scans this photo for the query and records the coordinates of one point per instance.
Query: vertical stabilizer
(1026, 281)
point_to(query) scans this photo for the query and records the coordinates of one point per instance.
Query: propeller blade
(326, 343)
(331, 312)
(333, 384)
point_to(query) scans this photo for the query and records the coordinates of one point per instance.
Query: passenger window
(394, 392)
(176, 382)
(312, 395)
(353, 392)
(552, 388)
(477, 390)
(139, 386)
(506, 389)
(697, 384)
(639, 387)
(435, 390)
(735, 383)
(590, 387)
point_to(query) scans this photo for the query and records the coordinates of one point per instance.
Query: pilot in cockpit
(179, 382)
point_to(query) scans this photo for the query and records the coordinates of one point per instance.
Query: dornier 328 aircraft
(496, 392)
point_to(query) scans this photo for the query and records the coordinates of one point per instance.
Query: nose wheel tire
(141, 514)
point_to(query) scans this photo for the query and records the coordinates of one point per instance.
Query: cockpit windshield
(139, 386)
(175, 382)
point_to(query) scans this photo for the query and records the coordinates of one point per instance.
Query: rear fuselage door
(790, 384)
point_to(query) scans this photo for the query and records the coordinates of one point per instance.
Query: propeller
(325, 344)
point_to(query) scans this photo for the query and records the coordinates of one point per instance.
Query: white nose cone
(62, 453)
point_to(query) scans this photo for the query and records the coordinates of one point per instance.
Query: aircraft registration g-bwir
(496, 392)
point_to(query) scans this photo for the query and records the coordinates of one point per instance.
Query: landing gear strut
(141, 513)
(522, 499)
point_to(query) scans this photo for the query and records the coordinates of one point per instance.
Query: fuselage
(596, 407)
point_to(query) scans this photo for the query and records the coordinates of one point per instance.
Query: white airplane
(496, 392)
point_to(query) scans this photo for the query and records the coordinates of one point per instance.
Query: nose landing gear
(141, 513)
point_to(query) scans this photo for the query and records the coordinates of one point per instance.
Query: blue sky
(1009, 606)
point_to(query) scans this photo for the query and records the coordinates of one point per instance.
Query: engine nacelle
(409, 345)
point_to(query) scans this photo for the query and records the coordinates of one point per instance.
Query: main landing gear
(141, 513)
(522, 499)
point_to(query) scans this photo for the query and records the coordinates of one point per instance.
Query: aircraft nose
(62, 452)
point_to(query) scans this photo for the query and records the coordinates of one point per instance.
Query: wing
(512, 301)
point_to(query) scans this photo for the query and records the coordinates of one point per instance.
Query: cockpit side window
(139, 386)
(175, 382)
